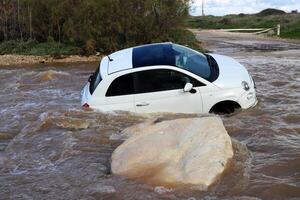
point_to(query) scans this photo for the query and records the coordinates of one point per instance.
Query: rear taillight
(86, 105)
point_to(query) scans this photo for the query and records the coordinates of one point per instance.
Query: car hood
(232, 73)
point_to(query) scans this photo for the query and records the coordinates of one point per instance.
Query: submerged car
(167, 77)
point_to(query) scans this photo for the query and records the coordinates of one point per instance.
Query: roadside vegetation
(35, 27)
(290, 22)
(33, 47)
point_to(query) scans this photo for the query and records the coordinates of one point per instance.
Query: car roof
(140, 56)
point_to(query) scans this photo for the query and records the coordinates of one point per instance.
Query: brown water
(50, 148)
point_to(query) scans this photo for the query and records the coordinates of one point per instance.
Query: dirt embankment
(7, 60)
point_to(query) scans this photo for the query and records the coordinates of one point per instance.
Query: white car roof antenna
(110, 59)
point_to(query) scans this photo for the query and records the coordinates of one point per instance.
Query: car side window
(121, 86)
(162, 80)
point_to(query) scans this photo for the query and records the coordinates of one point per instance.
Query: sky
(224, 7)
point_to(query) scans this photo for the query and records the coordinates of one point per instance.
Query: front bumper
(248, 99)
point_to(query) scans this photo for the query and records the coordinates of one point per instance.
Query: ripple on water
(292, 118)
(50, 75)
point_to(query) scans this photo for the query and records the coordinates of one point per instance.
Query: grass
(32, 47)
(292, 31)
(290, 22)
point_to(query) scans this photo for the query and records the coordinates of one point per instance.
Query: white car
(167, 77)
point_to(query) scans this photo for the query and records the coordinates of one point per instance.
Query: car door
(161, 90)
(120, 94)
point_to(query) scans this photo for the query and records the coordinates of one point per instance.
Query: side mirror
(188, 87)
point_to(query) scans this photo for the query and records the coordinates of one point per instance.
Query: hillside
(268, 18)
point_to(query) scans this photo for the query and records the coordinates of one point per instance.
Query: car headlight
(250, 95)
(246, 86)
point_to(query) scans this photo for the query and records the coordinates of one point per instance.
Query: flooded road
(50, 148)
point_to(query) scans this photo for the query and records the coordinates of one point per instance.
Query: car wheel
(225, 107)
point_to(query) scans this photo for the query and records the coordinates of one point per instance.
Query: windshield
(192, 61)
(200, 64)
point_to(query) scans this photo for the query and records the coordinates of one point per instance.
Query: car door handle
(142, 104)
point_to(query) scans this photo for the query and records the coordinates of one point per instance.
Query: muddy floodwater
(50, 148)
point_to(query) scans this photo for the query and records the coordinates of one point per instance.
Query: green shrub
(91, 25)
(291, 31)
(32, 47)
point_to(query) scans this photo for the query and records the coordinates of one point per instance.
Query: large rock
(183, 151)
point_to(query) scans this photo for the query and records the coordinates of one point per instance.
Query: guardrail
(258, 30)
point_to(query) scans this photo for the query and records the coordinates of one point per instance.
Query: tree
(92, 25)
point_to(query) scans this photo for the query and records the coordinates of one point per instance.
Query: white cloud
(223, 7)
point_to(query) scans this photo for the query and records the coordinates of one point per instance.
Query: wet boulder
(191, 151)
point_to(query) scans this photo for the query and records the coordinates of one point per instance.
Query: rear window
(94, 80)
